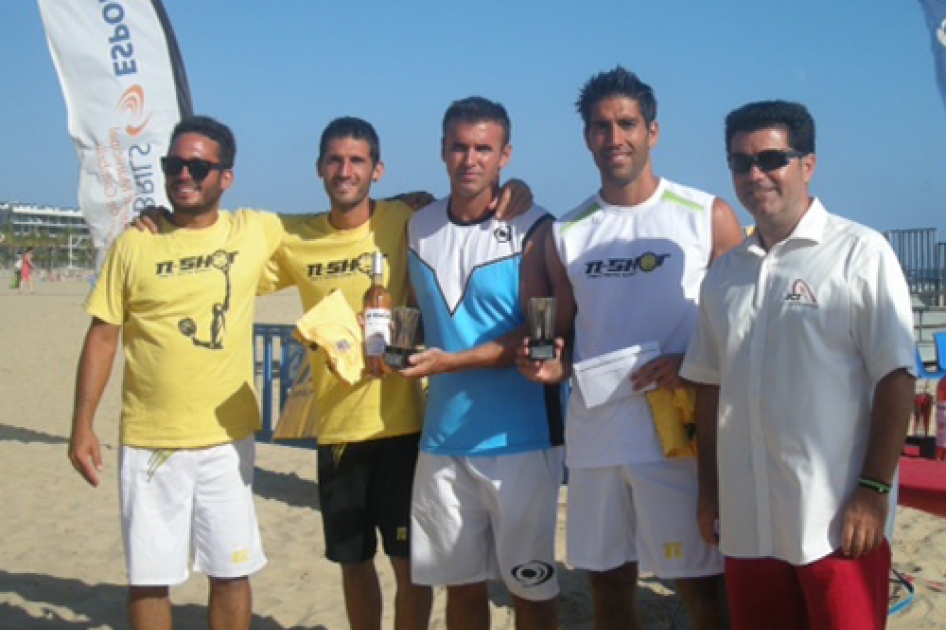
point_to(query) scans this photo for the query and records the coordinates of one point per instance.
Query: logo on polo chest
(624, 267)
(502, 233)
(801, 294)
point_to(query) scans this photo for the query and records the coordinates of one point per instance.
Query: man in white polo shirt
(804, 351)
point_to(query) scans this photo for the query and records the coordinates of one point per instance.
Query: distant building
(25, 219)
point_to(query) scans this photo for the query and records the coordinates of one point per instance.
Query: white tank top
(636, 274)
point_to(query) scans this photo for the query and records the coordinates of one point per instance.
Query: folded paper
(607, 378)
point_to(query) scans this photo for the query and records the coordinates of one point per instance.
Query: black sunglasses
(768, 160)
(199, 169)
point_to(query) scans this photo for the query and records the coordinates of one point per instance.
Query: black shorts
(365, 487)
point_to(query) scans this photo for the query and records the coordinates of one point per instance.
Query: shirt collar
(810, 228)
(812, 224)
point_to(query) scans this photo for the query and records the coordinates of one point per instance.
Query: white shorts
(479, 518)
(643, 513)
(175, 501)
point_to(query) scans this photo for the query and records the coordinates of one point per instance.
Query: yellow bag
(298, 419)
(674, 414)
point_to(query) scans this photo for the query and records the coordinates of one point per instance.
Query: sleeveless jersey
(466, 278)
(636, 274)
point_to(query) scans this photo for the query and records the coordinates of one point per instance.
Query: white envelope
(606, 378)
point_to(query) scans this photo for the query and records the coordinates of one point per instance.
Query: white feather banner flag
(125, 88)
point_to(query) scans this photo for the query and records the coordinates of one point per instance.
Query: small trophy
(404, 320)
(542, 328)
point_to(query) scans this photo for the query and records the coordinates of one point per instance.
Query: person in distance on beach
(626, 267)
(182, 304)
(26, 271)
(805, 356)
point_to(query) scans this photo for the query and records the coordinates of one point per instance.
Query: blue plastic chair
(938, 370)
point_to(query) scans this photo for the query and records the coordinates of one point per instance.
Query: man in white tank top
(626, 268)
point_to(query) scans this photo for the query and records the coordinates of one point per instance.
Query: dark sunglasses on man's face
(199, 169)
(767, 161)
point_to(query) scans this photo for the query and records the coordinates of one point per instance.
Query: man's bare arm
(500, 352)
(514, 198)
(727, 233)
(95, 366)
(558, 369)
(707, 420)
(865, 514)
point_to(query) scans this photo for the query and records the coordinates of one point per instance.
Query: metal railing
(923, 260)
(278, 358)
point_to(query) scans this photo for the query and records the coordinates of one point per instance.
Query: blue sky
(278, 74)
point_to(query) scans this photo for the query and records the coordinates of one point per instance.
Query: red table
(923, 484)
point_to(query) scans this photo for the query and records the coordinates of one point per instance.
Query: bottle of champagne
(377, 314)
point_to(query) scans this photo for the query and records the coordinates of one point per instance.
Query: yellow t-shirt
(318, 259)
(184, 299)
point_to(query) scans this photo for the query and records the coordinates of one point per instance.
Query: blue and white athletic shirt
(466, 278)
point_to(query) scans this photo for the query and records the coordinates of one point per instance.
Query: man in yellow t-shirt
(182, 303)
(368, 432)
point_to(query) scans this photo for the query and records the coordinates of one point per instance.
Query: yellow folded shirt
(674, 414)
(333, 326)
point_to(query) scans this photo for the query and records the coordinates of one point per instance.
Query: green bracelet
(876, 486)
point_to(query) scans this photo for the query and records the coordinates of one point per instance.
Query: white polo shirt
(797, 338)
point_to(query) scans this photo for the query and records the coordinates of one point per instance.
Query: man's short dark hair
(616, 83)
(210, 128)
(351, 127)
(477, 109)
(793, 117)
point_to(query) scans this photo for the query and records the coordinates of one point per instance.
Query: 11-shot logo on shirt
(343, 267)
(194, 264)
(623, 267)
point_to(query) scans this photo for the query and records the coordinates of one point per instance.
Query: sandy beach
(61, 563)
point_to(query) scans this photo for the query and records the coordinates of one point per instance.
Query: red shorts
(833, 593)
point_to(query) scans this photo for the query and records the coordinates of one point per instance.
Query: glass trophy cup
(404, 323)
(542, 328)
